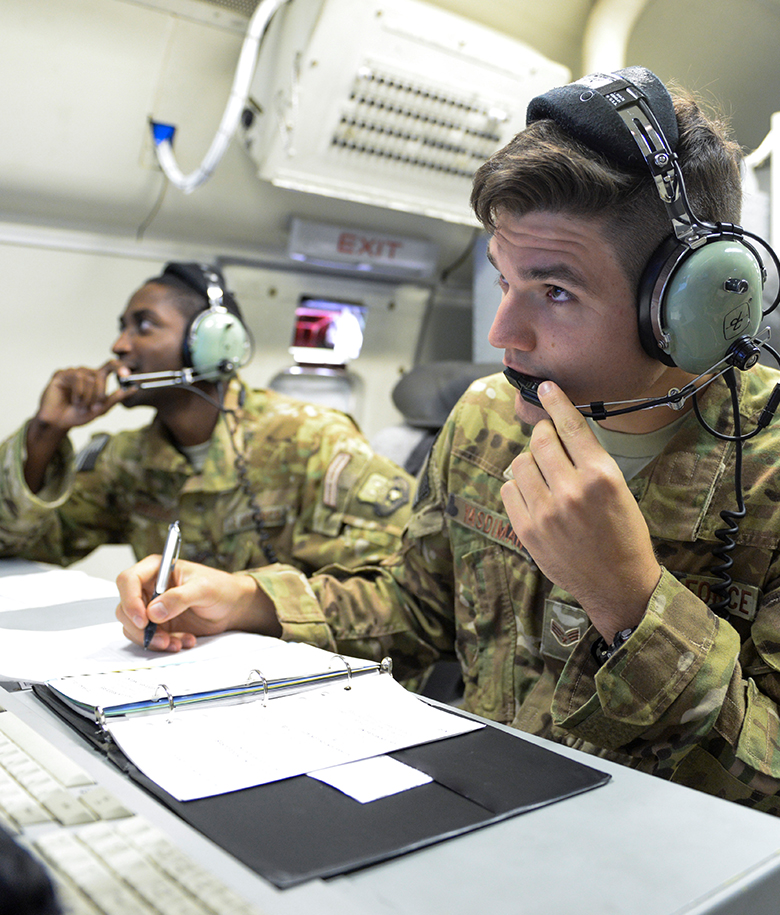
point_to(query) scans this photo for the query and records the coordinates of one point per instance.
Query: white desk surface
(636, 846)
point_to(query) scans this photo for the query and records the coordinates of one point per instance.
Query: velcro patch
(87, 457)
(495, 527)
(330, 488)
(564, 625)
(385, 494)
(743, 599)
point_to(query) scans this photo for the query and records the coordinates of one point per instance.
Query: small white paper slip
(369, 779)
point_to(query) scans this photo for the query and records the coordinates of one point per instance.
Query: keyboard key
(103, 858)
(50, 757)
(104, 804)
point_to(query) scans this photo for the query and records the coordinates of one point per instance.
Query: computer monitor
(327, 331)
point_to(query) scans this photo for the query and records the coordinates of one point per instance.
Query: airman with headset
(251, 476)
(596, 536)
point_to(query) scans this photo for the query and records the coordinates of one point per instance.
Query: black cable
(154, 211)
(763, 420)
(731, 518)
(239, 462)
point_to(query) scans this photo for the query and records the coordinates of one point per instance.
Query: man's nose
(121, 344)
(512, 326)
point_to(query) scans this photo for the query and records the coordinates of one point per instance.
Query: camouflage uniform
(689, 697)
(323, 495)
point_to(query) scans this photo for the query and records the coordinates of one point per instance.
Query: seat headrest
(427, 393)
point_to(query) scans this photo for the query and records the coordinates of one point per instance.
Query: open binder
(113, 694)
(481, 775)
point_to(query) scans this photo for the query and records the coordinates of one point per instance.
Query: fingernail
(139, 622)
(544, 388)
(159, 611)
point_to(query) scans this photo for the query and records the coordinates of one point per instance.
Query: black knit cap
(193, 277)
(582, 110)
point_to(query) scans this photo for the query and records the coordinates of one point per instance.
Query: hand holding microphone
(76, 396)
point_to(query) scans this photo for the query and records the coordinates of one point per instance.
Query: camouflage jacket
(689, 697)
(323, 495)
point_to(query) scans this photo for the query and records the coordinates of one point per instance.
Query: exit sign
(361, 249)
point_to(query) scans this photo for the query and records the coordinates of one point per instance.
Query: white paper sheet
(35, 657)
(199, 752)
(233, 662)
(55, 586)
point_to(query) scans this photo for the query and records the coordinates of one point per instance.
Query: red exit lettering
(360, 246)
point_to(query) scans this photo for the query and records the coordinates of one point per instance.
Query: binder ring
(349, 669)
(256, 673)
(100, 717)
(386, 666)
(167, 692)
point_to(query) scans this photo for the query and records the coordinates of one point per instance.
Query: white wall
(62, 309)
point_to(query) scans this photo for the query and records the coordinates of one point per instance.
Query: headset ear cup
(216, 344)
(651, 288)
(186, 346)
(695, 303)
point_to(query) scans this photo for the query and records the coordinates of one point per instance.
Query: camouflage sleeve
(679, 692)
(400, 607)
(58, 524)
(356, 503)
(27, 517)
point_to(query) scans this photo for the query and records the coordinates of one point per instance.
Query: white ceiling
(725, 49)
(82, 77)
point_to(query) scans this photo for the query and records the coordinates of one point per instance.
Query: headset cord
(721, 554)
(242, 472)
(239, 462)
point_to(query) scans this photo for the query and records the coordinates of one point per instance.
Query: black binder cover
(299, 828)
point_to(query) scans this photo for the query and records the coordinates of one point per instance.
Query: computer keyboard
(103, 859)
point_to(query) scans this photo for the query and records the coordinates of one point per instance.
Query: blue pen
(169, 556)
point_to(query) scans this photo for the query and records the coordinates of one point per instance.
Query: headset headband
(205, 280)
(586, 110)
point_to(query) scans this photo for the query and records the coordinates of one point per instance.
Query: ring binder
(231, 768)
(340, 657)
(265, 683)
(111, 695)
(168, 693)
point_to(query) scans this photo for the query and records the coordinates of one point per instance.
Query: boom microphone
(181, 378)
(743, 354)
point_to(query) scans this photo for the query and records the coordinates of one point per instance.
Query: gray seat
(425, 396)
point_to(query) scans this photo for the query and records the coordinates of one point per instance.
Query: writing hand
(572, 510)
(199, 601)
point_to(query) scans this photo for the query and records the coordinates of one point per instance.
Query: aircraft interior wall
(86, 214)
(62, 308)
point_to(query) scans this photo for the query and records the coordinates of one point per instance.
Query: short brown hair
(544, 169)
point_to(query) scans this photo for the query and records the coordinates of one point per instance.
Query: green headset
(216, 341)
(700, 298)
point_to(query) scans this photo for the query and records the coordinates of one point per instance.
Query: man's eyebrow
(561, 272)
(558, 272)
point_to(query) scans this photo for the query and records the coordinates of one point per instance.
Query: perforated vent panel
(392, 103)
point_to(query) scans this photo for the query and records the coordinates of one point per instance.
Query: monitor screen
(327, 332)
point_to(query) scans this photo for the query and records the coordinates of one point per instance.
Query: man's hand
(571, 508)
(72, 397)
(199, 601)
(76, 396)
